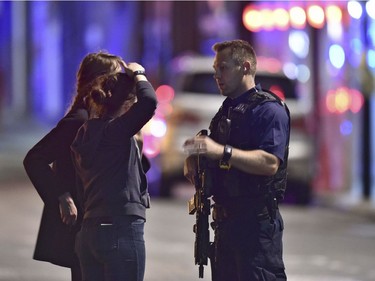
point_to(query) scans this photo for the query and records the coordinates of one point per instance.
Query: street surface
(320, 244)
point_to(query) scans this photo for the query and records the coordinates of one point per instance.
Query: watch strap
(227, 154)
(139, 72)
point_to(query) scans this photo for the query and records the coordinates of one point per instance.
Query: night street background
(325, 50)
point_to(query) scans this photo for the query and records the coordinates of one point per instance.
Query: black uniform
(248, 225)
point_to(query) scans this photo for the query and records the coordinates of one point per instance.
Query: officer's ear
(246, 67)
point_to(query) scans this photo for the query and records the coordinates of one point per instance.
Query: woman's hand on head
(133, 67)
(123, 64)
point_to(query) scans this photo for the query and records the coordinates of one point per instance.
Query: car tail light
(278, 91)
(154, 131)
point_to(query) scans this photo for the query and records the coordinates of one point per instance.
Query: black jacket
(108, 162)
(55, 242)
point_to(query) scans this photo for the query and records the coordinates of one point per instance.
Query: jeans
(112, 249)
(248, 249)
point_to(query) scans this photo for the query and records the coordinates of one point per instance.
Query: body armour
(231, 126)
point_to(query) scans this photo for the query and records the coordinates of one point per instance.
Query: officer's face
(228, 74)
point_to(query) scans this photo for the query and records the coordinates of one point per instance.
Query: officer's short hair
(241, 51)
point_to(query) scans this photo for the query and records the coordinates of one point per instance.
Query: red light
(165, 93)
(269, 64)
(357, 101)
(278, 91)
(156, 128)
(344, 99)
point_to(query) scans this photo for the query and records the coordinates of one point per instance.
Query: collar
(242, 98)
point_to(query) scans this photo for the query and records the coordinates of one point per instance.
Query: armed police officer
(246, 155)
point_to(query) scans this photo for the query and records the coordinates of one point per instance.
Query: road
(320, 243)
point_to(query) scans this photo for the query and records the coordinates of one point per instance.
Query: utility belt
(256, 211)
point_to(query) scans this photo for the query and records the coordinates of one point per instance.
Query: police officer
(246, 153)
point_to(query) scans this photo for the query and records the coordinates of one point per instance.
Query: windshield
(204, 83)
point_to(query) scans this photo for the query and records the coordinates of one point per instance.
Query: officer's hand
(204, 145)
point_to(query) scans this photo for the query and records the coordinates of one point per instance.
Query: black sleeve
(139, 114)
(54, 148)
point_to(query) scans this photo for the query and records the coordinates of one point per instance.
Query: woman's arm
(140, 112)
(55, 184)
(38, 165)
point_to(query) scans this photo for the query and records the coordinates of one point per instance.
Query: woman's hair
(92, 66)
(109, 93)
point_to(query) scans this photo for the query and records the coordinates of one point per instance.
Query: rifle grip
(201, 269)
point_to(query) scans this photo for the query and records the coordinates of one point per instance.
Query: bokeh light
(371, 33)
(158, 128)
(252, 19)
(268, 19)
(290, 70)
(371, 58)
(297, 17)
(356, 47)
(337, 56)
(355, 9)
(370, 8)
(299, 43)
(346, 128)
(315, 16)
(343, 99)
(281, 18)
(165, 93)
(303, 73)
(333, 14)
(357, 100)
(338, 101)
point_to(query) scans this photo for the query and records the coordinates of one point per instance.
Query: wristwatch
(139, 72)
(224, 162)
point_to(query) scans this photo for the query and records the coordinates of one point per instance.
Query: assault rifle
(199, 205)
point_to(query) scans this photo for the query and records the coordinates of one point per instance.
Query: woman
(56, 184)
(110, 245)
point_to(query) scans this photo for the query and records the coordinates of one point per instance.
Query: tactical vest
(230, 128)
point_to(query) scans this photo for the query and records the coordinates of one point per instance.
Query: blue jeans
(112, 249)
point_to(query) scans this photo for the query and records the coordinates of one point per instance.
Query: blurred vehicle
(197, 99)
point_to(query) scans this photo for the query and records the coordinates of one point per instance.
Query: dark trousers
(248, 249)
(76, 273)
(112, 249)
